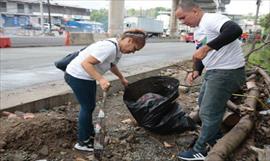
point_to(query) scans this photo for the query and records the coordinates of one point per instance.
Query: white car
(53, 27)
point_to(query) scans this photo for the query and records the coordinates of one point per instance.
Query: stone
(183, 89)
(130, 138)
(44, 150)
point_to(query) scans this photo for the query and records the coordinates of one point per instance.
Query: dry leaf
(127, 121)
(28, 116)
(80, 159)
(167, 145)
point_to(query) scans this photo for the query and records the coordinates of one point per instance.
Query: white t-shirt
(229, 56)
(104, 51)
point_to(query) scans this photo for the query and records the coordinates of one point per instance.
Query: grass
(260, 57)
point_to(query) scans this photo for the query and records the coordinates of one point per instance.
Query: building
(17, 13)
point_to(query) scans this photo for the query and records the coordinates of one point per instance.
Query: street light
(49, 16)
(41, 16)
(258, 3)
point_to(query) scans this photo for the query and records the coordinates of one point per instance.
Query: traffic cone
(67, 39)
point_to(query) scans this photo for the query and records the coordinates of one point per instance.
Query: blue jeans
(217, 88)
(85, 92)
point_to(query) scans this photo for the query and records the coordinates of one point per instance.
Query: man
(223, 59)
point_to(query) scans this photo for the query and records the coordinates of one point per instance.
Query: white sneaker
(85, 146)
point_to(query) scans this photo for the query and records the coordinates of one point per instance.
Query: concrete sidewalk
(51, 94)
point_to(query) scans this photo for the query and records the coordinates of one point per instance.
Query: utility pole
(41, 16)
(49, 16)
(221, 6)
(255, 24)
(173, 22)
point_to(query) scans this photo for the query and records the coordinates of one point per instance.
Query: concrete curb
(67, 97)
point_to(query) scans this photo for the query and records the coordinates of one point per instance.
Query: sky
(235, 7)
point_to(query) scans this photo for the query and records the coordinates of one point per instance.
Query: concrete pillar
(116, 17)
(221, 7)
(207, 5)
(173, 21)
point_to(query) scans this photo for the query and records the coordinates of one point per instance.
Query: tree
(101, 16)
(265, 22)
(249, 16)
(131, 12)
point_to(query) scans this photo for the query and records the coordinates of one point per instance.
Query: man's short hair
(188, 4)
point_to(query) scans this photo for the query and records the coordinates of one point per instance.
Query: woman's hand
(124, 81)
(104, 84)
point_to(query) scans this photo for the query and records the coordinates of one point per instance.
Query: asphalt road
(22, 67)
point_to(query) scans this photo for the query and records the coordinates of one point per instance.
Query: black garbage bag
(151, 103)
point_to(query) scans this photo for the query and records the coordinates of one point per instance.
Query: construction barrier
(37, 41)
(100, 36)
(5, 42)
(81, 38)
(67, 39)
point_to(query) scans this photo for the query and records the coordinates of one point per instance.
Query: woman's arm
(88, 66)
(115, 71)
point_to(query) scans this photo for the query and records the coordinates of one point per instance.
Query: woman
(88, 67)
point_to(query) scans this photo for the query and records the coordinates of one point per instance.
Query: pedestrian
(222, 57)
(88, 67)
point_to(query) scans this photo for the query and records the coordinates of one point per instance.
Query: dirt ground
(51, 134)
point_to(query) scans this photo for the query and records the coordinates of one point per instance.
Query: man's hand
(124, 81)
(104, 84)
(192, 76)
(201, 52)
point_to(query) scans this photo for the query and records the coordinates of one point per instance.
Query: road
(22, 67)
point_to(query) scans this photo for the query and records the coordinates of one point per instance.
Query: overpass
(116, 13)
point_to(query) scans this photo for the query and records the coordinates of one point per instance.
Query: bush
(262, 58)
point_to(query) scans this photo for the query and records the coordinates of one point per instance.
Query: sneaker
(191, 155)
(85, 145)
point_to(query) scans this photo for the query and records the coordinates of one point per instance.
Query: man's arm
(198, 66)
(229, 32)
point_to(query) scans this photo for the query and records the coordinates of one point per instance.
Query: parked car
(189, 37)
(31, 27)
(257, 37)
(53, 27)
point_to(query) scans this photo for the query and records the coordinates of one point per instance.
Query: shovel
(100, 130)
